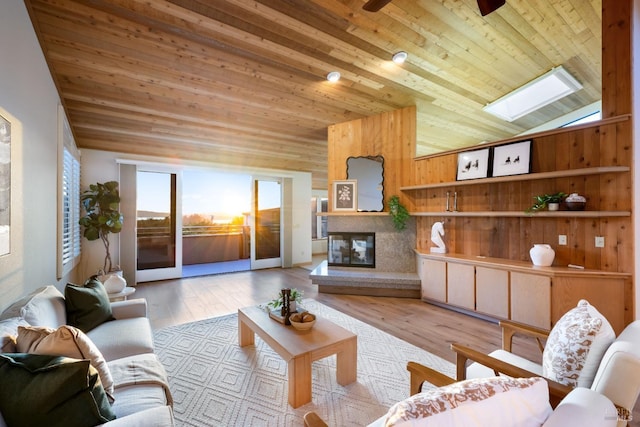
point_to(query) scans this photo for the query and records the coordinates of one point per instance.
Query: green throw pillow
(87, 306)
(41, 390)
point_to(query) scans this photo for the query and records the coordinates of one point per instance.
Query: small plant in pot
(550, 201)
(296, 298)
(102, 218)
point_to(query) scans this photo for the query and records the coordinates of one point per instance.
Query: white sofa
(125, 343)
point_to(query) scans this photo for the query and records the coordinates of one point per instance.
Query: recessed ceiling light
(333, 76)
(399, 57)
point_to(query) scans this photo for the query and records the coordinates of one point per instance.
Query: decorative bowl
(302, 326)
(575, 202)
(575, 206)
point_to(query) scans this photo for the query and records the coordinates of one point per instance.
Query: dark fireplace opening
(352, 249)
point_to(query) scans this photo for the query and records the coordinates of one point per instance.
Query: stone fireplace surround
(395, 272)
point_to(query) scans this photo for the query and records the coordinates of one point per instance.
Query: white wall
(101, 166)
(28, 95)
(319, 246)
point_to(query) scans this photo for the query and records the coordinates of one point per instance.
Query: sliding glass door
(159, 225)
(266, 230)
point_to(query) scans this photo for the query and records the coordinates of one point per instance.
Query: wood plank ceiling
(242, 82)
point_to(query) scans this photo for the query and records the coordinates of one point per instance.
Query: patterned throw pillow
(576, 345)
(495, 402)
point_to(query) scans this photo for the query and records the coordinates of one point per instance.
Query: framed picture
(512, 159)
(345, 195)
(473, 164)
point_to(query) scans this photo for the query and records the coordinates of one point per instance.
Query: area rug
(217, 383)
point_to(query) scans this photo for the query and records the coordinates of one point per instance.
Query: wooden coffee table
(300, 348)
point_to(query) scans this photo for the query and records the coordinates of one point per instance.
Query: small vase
(115, 284)
(292, 307)
(542, 255)
(553, 206)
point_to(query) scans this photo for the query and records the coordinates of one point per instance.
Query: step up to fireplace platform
(363, 281)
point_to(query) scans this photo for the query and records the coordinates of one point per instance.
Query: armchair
(617, 376)
(587, 368)
(501, 361)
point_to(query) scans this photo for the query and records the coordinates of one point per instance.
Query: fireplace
(352, 249)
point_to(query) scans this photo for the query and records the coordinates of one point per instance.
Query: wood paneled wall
(511, 238)
(390, 135)
(607, 143)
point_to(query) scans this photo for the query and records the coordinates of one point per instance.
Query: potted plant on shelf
(101, 202)
(550, 201)
(399, 214)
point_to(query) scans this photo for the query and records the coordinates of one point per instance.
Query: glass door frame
(257, 264)
(175, 272)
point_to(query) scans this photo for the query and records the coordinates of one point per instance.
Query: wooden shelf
(525, 177)
(522, 214)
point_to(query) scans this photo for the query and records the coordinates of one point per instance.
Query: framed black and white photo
(473, 164)
(345, 195)
(512, 159)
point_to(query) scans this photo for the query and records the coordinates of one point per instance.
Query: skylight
(542, 91)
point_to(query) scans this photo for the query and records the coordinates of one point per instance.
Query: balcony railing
(200, 244)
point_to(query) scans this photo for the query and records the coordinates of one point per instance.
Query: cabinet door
(492, 292)
(461, 285)
(531, 299)
(433, 275)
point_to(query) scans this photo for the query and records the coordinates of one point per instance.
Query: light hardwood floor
(432, 328)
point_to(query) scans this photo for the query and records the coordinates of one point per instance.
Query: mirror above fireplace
(369, 172)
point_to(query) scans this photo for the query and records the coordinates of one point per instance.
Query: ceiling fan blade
(375, 5)
(488, 6)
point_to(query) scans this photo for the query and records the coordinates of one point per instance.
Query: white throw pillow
(65, 341)
(576, 345)
(43, 307)
(481, 402)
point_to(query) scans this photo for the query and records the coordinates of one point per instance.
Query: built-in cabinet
(433, 276)
(531, 299)
(492, 292)
(519, 291)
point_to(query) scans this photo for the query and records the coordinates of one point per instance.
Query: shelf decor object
(575, 202)
(512, 159)
(473, 164)
(549, 201)
(542, 254)
(399, 213)
(437, 232)
(345, 195)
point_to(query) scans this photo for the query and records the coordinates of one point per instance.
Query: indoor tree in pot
(101, 202)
